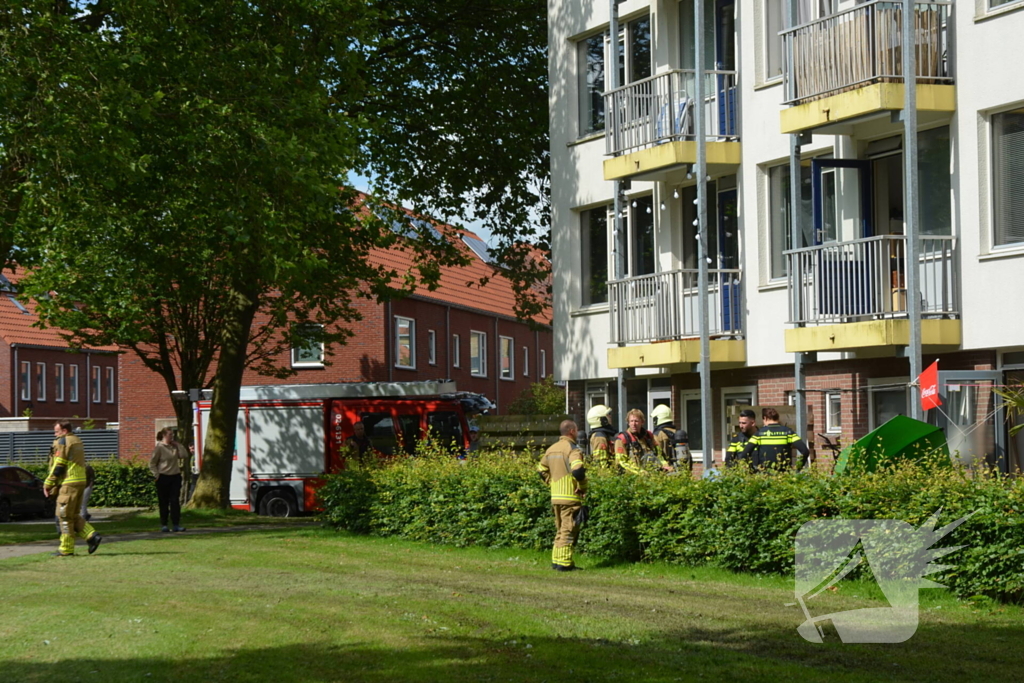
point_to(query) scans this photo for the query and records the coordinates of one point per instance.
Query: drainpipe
(448, 342)
(497, 365)
(88, 385)
(619, 244)
(910, 208)
(706, 415)
(387, 342)
(15, 376)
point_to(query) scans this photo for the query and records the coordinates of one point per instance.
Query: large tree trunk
(213, 486)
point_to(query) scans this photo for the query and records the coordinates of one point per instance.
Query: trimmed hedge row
(118, 484)
(740, 521)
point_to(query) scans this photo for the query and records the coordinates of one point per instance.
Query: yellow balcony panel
(871, 334)
(646, 164)
(730, 351)
(870, 99)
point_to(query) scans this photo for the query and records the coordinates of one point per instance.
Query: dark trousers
(168, 492)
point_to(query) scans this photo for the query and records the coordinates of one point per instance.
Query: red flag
(929, 383)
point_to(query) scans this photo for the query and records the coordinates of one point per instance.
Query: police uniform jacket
(773, 446)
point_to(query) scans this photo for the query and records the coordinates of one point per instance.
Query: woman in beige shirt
(166, 467)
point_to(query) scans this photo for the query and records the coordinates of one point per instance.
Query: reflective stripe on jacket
(557, 468)
(68, 466)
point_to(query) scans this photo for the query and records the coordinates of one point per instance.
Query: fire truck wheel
(279, 504)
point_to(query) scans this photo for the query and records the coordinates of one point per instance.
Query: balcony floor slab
(872, 334)
(653, 162)
(855, 104)
(678, 351)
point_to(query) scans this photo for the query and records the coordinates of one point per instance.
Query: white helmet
(661, 415)
(595, 414)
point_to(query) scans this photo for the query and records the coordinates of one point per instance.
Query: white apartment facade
(835, 80)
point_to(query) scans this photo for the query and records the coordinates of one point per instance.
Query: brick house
(459, 331)
(39, 373)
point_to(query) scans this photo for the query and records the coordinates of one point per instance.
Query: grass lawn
(141, 520)
(309, 604)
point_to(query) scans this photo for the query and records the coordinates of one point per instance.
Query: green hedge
(740, 521)
(118, 484)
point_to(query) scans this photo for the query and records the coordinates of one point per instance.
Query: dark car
(21, 493)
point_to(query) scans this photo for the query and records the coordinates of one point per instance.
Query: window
(431, 347)
(594, 229)
(597, 395)
(505, 350)
(40, 381)
(478, 354)
(635, 50)
(58, 383)
(993, 4)
(25, 380)
(543, 363)
(405, 342)
(96, 384)
(591, 84)
(641, 243)
(833, 412)
(456, 352)
(732, 399)
(73, 383)
(780, 220)
(886, 404)
(1008, 177)
(526, 362)
(308, 346)
(110, 385)
(774, 21)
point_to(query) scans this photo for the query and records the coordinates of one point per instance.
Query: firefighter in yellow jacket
(562, 469)
(67, 471)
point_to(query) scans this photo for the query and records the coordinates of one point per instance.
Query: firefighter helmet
(596, 414)
(661, 415)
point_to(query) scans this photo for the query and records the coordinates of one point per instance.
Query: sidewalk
(37, 547)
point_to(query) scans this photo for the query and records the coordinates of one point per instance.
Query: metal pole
(910, 208)
(707, 427)
(619, 243)
(795, 198)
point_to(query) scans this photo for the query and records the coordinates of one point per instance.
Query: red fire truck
(288, 436)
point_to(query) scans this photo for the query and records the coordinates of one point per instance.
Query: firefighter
(772, 446)
(68, 472)
(562, 469)
(747, 428)
(672, 443)
(601, 434)
(635, 447)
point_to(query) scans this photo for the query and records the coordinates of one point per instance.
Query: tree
(541, 398)
(179, 191)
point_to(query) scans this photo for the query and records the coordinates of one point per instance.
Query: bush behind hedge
(118, 483)
(741, 521)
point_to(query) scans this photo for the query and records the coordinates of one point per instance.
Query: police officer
(635, 447)
(772, 446)
(672, 443)
(748, 427)
(601, 435)
(562, 469)
(68, 473)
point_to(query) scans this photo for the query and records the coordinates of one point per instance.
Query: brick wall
(47, 361)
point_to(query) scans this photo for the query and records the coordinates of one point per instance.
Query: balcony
(651, 129)
(852, 295)
(849, 65)
(660, 314)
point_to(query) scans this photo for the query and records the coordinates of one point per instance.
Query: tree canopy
(174, 172)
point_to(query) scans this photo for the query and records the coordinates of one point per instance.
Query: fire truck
(288, 436)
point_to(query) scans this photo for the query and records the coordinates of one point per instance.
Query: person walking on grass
(166, 468)
(562, 469)
(67, 476)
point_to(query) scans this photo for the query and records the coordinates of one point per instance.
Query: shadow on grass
(935, 653)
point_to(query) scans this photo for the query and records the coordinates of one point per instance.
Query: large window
(635, 50)
(110, 385)
(58, 384)
(308, 347)
(780, 219)
(73, 383)
(641, 236)
(999, 3)
(405, 342)
(505, 347)
(591, 84)
(40, 381)
(25, 380)
(478, 354)
(774, 22)
(594, 229)
(1008, 177)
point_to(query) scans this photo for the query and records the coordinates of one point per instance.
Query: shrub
(742, 521)
(118, 483)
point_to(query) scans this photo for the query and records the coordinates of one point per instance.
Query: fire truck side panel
(286, 447)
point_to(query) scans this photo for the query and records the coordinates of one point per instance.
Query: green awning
(901, 438)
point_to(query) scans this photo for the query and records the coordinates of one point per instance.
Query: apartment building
(833, 78)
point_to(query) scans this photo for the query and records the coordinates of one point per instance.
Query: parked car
(21, 494)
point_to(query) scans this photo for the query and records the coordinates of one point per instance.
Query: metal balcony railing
(660, 109)
(663, 306)
(860, 45)
(865, 279)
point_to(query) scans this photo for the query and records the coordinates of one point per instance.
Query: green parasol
(901, 437)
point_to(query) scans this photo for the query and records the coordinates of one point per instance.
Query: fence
(860, 45)
(30, 448)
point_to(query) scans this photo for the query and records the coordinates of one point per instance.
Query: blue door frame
(864, 168)
(725, 33)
